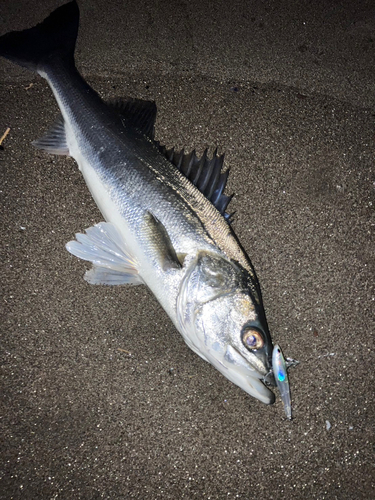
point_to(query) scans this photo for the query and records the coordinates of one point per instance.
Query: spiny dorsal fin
(137, 113)
(204, 173)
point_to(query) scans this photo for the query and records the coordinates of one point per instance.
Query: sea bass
(166, 224)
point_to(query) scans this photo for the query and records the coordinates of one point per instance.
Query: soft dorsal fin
(136, 113)
(204, 173)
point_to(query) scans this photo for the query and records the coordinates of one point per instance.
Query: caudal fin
(55, 36)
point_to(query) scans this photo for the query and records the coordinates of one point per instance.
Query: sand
(101, 396)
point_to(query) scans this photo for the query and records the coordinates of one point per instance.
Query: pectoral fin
(104, 247)
(162, 247)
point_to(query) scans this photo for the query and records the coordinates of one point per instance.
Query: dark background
(287, 90)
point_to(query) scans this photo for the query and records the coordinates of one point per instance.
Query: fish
(165, 221)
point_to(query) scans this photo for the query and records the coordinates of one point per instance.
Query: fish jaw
(213, 307)
(222, 345)
(239, 371)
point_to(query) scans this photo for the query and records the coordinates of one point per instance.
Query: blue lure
(281, 377)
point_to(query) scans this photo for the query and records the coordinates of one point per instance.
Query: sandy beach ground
(101, 398)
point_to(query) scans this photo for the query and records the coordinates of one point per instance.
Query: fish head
(222, 319)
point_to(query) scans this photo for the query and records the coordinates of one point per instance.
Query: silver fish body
(160, 229)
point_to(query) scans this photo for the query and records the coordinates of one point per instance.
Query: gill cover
(214, 306)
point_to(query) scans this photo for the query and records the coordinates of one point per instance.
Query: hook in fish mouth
(242, 373)
(269, 379)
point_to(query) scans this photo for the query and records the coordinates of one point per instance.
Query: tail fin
(33, 47)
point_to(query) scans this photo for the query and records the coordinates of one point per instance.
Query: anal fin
(54, 141)
(104, 247)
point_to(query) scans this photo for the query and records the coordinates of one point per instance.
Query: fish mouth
(247, 376)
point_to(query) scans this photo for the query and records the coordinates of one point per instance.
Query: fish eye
(252, 339)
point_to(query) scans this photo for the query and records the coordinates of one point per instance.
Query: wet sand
(101, 396)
